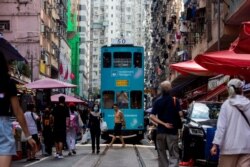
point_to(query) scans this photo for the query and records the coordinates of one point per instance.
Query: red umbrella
(235, 61)
(68, 99)
(48, 83)
(191, 67)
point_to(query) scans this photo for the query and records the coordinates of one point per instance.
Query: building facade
(112, 19)
(183, 29)
(36, 29)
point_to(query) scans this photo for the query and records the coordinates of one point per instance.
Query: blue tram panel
(122, 82)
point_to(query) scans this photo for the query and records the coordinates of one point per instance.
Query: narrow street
(130, 156)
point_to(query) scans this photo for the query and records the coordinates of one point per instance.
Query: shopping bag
(84, 138)
(104, 126)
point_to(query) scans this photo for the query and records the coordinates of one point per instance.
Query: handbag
(103, 126)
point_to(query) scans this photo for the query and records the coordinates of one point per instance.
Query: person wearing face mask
(94, 126)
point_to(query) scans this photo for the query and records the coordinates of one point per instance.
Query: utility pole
(30, 56)
(218, 46)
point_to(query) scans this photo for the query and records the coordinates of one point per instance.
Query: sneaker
(69, 154)
(73, 151)
(60, 156)
(93, 151)
(56, 155)
(98, 151)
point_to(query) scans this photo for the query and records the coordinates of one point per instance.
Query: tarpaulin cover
(191, 67)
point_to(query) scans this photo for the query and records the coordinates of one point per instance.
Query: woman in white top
(233, 131)
(31, 117)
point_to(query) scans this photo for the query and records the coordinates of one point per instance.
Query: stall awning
(225, 62)
(235, 61)
(211, 94)
(191, 67)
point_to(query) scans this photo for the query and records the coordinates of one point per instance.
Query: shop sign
(217, 81)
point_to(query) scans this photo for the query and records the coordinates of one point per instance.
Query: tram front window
(122, 99)
(122, 59)
(136, 99)
(108, 99)
(106, 60)
(137, 60)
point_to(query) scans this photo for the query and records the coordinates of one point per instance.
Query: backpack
(73, 120)
(177, 116)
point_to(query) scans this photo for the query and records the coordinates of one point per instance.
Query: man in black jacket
(166, 113)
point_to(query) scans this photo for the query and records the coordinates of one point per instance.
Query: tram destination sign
(121, 41)
(121, 83)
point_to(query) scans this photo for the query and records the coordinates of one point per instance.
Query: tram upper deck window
(108, 99)
(106, 60)
(137, 60)
(122, 59)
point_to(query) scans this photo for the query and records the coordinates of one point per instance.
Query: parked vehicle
(198, 132)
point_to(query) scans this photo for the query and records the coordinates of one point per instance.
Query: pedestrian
(47, 122)
(8, 98)
(31, 118)
(166, 114)
(94, 127)
(233, 128)
(72, 129)
(119, 124)
(61, 121)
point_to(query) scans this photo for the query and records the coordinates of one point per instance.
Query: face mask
(95, 109)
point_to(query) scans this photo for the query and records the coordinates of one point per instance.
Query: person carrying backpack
(72, 129)
(166, 112)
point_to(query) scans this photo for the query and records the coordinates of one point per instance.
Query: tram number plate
(121, 82)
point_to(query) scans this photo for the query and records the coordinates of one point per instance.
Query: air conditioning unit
(42, 28)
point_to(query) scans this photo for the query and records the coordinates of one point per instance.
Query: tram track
(98, 161)
(140, 160)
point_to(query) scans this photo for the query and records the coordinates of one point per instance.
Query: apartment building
(84, 10)
(183, 29)
(36, 28)
(111, 19)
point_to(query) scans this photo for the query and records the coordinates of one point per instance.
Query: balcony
(238, 12)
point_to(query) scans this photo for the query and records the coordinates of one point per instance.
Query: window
(106, 60)
(122, 99)
(136, 99)
(81, 29)
(82, 62)
(82, 7)
(4, 25)
(81, 18)
(82, 51)
(108, 99)
(137, 60)
(122, 59)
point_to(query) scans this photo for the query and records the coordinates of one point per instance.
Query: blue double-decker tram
(122, 82)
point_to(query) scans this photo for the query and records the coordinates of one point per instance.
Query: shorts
(59, 136)
(37, 140)
(7, 141)
(118, 129)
